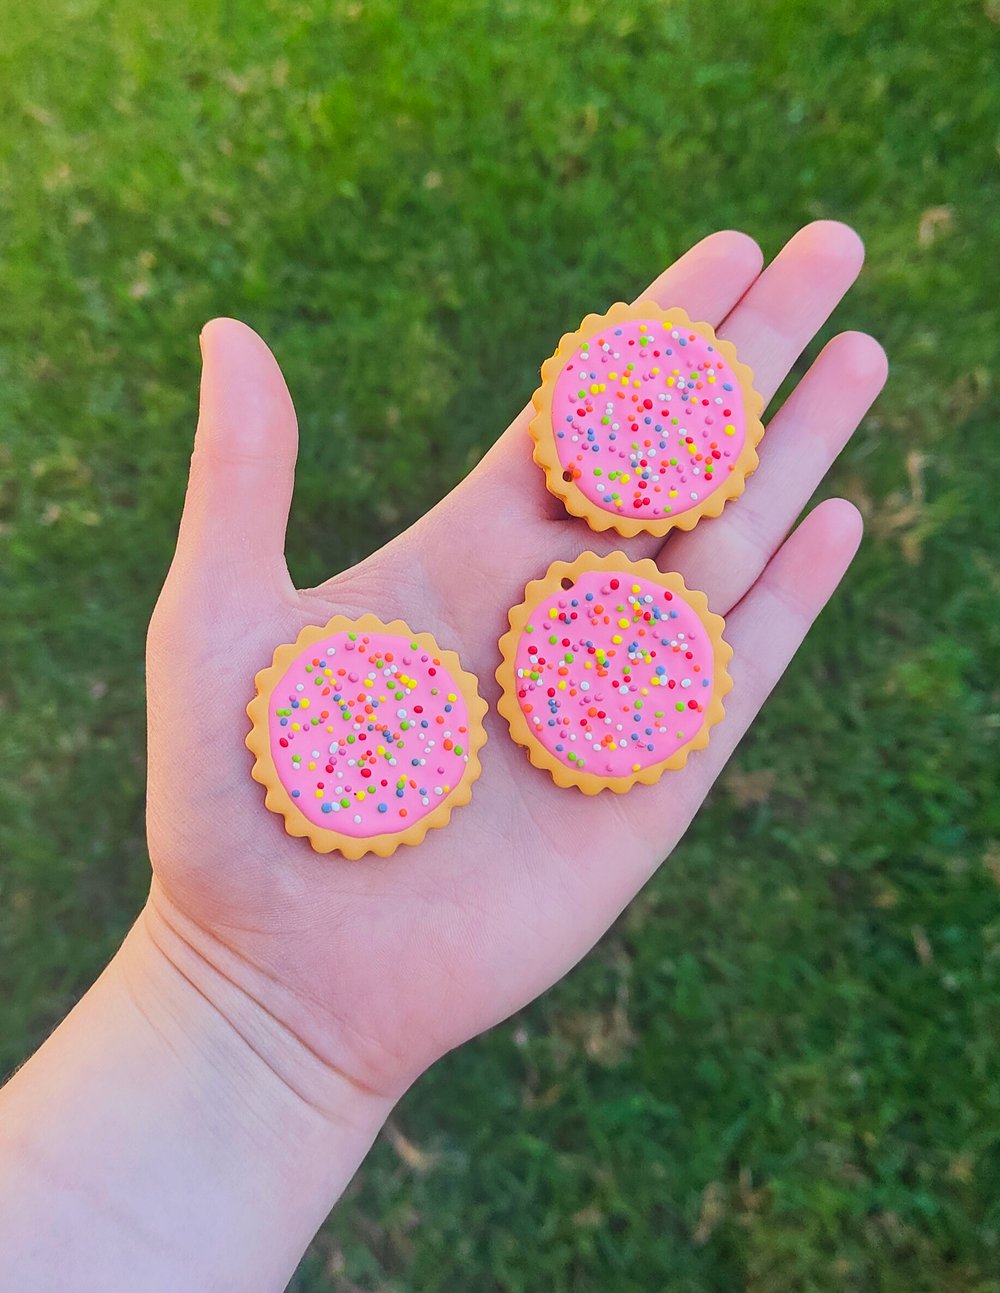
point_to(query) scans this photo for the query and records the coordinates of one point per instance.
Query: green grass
(779, 1071)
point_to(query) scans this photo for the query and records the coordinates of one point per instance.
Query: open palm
(376, 967)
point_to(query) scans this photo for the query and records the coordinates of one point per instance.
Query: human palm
(376, 967)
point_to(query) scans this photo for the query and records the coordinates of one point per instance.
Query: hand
(369, 970)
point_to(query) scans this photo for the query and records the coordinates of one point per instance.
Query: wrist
(172, 1125)
(193, 991)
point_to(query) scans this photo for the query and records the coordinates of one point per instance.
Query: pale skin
(199, 1112)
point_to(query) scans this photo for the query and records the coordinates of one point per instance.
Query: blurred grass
(779, 1071)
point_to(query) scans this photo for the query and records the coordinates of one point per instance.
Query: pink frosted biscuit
(612, 672)
(645, 421)
(366, 735)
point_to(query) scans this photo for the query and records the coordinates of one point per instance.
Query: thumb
(232, 532)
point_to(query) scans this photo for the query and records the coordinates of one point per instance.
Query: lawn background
(779, 1070)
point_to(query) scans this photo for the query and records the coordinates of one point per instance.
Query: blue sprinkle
(383, 808)
(296, 793)
(328, 808)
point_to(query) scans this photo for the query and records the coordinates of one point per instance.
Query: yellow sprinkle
(671, 382)
(452, 697)
(319, 793)
(730, 430)
(360, 795)
(304, 704)
(617, 639)
(623, 624)
(553, 613)
(613, 376)
(636, 588)
(295, 727)
(312, 767)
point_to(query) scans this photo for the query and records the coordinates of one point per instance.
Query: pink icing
(614, 674)
(648, 419)
(369, 732)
